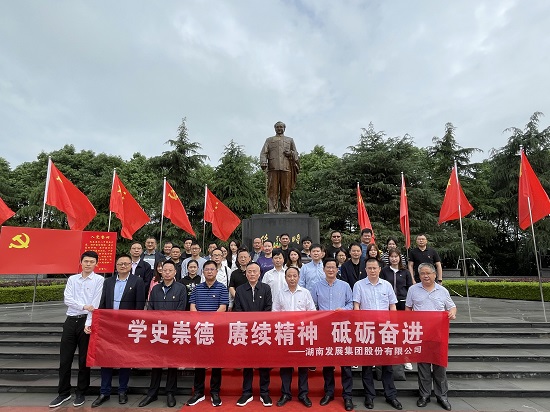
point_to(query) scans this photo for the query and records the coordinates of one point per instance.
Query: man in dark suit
(254, 296)
(353, 269)
(123, 291)
(140, 267)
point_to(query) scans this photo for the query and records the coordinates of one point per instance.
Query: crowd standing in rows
(358, 277)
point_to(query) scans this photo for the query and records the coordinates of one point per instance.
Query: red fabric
(530, 188)
(127, 209)
(223, 220)
(362, 216)
(25, 250)
(454, 197)
(404, 214)
(5, 212)
(66, 197)
(104, 244)
(117, 342)
(174, 210)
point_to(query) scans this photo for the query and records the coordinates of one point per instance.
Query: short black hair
(90, 254)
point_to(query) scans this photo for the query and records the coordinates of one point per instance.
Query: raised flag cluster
(533, 201)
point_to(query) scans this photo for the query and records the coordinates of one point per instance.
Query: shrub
(24, 294)
(500, 290)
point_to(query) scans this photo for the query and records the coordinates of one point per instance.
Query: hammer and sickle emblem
(172, 195)
(20, 243)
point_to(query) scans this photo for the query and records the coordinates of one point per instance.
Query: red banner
(147, 339)
(26, 250)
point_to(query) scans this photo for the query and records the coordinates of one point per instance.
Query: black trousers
(171, 381)
(347, 381)
(248, 375)
(215, 380)
(73, 336)
(390, 392)
(286, 381)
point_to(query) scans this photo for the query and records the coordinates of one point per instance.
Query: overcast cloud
(118, 76)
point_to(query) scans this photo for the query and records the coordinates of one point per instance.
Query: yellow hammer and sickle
(172, 195)
(21, 244)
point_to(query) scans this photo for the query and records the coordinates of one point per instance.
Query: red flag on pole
(404, 214)
(174, 210)
(65, 196)
(223, 220)
(127, 209)
(531, 193)
(455, 204)
(5, 212)
(362, 216)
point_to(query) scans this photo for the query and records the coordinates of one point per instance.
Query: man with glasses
(195, 255)
(336, 246)
(123, 291)
(209, 296)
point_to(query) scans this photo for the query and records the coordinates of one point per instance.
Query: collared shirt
(150, 258)
(286, 300)
(332, 297)
(253, 299)
(209, 298)
(378, 296)
(120, 284)
(276, 280)
(81, 291)
(310, 274)
(438, 299)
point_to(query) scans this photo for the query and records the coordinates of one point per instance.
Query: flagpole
(536, 257)
(462, 242)
(48, 173)
(162, 212)
(203, 214)
(110, 212)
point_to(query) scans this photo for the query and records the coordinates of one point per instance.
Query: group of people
(262, 279)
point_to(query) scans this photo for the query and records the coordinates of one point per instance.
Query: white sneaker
(408, 367)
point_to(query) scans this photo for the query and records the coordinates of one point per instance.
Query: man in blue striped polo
(208, 296)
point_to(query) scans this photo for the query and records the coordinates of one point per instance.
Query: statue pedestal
(271, 225)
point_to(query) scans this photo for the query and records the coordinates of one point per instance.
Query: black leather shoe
(306, 401)
(147, 400)
(348, 404)
(170, 400)
(444, 404)
(122, 398)
(422, 401)
(100, 400)
(326, 400)
(369, 404)
(395, 403)
(283, 400)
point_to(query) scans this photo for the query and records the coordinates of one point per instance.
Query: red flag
(5, 212)
(174, 210)
(65, 196)
(404, 214)
(127, 209)
(362, 216)
(223, 220)
(454, 200)
(530, 188)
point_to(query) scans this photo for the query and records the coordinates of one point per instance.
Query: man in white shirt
(291, 298)
(82, 296)
(275, 277)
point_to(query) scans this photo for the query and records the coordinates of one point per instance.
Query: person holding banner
(428, 295)
(82, 296)
(167, 295)
(123, 291)
(331, 293)
(293, 298)
(374, 293)
(209, 296)
(254, 296)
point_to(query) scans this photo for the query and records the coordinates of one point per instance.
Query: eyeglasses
(209, 270)
(336, 236)
(123, 264)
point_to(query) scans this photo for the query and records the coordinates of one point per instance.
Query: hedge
(24, 294)
(500, 290)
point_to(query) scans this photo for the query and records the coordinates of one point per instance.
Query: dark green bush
(24, 294)
(501, 290)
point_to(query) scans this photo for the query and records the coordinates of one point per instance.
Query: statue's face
(279, 128)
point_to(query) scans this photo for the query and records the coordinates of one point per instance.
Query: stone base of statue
(270, 225)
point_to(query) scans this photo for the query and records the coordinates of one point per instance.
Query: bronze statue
(279, 158)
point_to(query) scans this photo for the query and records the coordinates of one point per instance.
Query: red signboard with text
(104, 244)
(147, 339)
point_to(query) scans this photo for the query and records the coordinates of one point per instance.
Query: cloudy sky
(118, 76)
